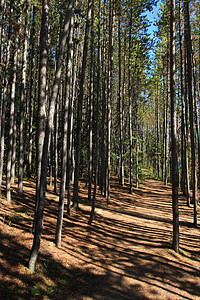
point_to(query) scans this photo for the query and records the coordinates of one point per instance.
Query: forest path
(125, 254)
(132, 247)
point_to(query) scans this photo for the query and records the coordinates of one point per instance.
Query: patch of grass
(170, 240)
(35, 290)
(3, 198)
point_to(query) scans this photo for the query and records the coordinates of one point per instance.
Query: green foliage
(36, 290)
(152, 173)
(50, 290)
(170, 240)
(141, 174)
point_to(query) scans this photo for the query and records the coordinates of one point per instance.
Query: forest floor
(125, 254)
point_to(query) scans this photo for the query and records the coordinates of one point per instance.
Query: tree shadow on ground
(125, 254)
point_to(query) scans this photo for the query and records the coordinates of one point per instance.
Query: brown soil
(125, 253)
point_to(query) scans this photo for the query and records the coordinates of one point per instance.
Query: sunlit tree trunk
(167, 121)
(109, 98)
(91, 99)
(56, 147)
(103, 119)
(12, 119)
(80, 107)
(49, 126)
(42, 99)
(22, 104)
(130, 109)
(70, 146)
(184, 143)
(175, 172)
(5, 91)
(97, 120)
(64, 136)
(120, 99)
(188, 45)
(31, 94)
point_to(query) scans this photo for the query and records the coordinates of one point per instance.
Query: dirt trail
(125, 254)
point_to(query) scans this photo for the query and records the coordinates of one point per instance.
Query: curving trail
(125, 254)
(131, 251)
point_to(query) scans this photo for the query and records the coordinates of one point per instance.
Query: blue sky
(152, 17)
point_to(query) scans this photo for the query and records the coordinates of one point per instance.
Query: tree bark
(80, 107)
(42, 99)
(188, 45)
(49, 126)
(22, 105)
(91, 108)
(64, 136)
(120, 104)
(130, 110)
(5, 92)
(175, 172)
(97, 121)
(12, 119)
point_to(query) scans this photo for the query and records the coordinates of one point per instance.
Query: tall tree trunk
(167, 122)
(64, 136)
(157, 135)
(104, 70)
(124, 86)
(56, 148)
(91, 100)
(188, 45)
(80, 107)
(5, 92)
(31, 94)
(70, 146)
(13, 159)
(120, 104)
(22, 105)
(110, 93)
(164, 117)
(136, 137)
(12, 119)
(42, 99)
(184, 143)
(49, 126)
(130, 109)
(97, 120)
(175, 172)
(196, 93)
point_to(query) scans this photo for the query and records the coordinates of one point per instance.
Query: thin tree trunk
(64, 137)
(22, 104)
(13, 159)
(120, 105)
(136, 136)
(80, 107)
(12, 119)
(42, 99)
(70, 146)
(91, 100)
(4, 93)
(157, 135)
(130, 110)
(175, 172)
(191, 106)
(97, 120)
(49, 126)
(167, 122)
(103, 165)
(31, 88)
(56, 148)
(110, 93)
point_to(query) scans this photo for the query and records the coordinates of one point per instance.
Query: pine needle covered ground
(125, 254)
